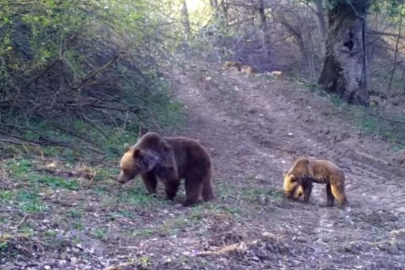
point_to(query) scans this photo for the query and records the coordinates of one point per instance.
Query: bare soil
(254, 128)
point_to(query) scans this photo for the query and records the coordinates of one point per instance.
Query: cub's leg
(307, 191)
(338, 192)
(150, 181)
(193, 185)
(329, 196)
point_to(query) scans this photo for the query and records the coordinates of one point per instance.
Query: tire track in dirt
(254, 130)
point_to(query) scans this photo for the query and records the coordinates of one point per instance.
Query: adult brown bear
(298, 181)
(169, 159)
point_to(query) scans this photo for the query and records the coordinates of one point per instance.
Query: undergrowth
(375, 121)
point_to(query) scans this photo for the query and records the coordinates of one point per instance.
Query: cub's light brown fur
(247, 69)
(298, 181)
(169, 159)
(232, 64)
(277, 74)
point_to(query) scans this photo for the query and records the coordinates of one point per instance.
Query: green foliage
(28, 201)
(55, 182)
(84, 75)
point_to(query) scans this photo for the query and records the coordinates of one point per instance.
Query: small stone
(73, 260)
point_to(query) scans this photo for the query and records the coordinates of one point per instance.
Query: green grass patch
(55, 181)
(100, 234)
(6, 195)
(28, 201)
(18, 167)
(74, 213)
(137, 196)
(23, 170)
(256, 194)
(373, 121)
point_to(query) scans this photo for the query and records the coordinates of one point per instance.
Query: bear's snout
(122, 179)
(288, 194)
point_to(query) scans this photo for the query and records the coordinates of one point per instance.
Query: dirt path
(256, 128)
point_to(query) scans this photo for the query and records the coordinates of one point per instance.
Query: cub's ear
(126, 147)
(284, 174)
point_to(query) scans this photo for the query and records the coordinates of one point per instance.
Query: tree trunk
(263, 29)
(320, 18)
(220, 8)
(344, 62)
(185, 19)
(260, 8)
(214, 3)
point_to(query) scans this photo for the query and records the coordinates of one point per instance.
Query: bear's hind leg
(329, 196)
(171, 187)
(339, 193)
(207, 192)
(193, 187)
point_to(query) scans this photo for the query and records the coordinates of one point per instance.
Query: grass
(137, 196)
(23, 170)
(373, 121)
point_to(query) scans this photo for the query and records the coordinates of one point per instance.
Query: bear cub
(169, 159)
(298, 181)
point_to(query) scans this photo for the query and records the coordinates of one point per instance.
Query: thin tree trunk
(220, 8)
(214, 3)
(343, 67)
(185, 18)
(320, 18)
(263, 28)
(396, 52)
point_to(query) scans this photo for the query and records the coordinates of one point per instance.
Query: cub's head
(291, 184)
(134, 162)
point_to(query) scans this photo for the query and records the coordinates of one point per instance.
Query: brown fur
(277, 74)
(169, 159)
(247, 69)
(231, 64)
(298, 181)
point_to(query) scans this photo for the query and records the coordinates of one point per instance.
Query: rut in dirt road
(257, 127)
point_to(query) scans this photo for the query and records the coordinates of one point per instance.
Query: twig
(22, 221)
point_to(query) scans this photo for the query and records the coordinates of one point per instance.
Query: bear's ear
(126, 147)
(137, 153)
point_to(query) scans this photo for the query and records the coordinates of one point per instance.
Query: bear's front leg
(150, 181)
(307, 193)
